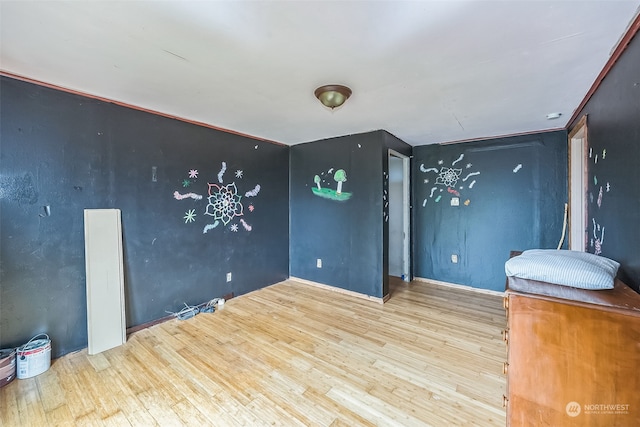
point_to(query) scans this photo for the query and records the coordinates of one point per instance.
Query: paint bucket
(7, 366)
(34, 357)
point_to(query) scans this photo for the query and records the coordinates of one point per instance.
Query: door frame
(406, 213)
(578, 185)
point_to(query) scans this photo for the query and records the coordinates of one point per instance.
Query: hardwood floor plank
(289, 354)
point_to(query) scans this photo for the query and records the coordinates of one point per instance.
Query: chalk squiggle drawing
(458, 159)
(470, 175)
(472, 183)
(599, 241)
(222, 171)
(245, 225)
(600, 197)
(423, 169)
(433, 191)
(193, 196)
(254, 192)
(517, 168)
(210, 227)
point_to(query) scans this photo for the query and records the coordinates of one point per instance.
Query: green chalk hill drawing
(340, 176)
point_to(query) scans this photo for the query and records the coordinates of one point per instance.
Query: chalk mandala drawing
(190, 216)
(193, 196)
(224, 202)
(340, 176)
(234, 228)
(449, 177)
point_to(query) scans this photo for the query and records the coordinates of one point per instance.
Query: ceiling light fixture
(332, 96)
(552, 116)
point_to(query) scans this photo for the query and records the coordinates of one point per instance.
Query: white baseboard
(340, 290)
(456, 286)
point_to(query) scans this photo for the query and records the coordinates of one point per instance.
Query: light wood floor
(289, 354)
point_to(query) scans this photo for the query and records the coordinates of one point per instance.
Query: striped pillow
(561, 267)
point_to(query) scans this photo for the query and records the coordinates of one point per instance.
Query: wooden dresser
(573, 355)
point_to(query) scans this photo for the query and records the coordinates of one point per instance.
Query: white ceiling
(426, 71)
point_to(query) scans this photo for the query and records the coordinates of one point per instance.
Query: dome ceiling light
(332, 96)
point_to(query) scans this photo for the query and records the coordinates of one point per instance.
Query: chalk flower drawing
(224, 202)
(190, 216)
(448, 176)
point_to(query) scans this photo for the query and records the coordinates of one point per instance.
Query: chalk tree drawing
(340, 177)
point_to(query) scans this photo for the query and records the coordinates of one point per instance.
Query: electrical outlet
(454, 258)
(228, 277)
(319, 263)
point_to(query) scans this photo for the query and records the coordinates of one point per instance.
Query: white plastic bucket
(7, 366)
(34, 357)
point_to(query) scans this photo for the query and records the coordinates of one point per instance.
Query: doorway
(399, 196)
(578, 152)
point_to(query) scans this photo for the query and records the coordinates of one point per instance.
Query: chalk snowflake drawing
(193, 173)
(224, 202)
(190, 216)
(239, 173)
(251, 208)
(448, 176)
(234, 228)
(186, 183)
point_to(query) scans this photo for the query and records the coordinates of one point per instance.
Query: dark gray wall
(613, 122)
(72, 153)
(512, 193)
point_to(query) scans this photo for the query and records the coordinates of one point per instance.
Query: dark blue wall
(71, 153)
(613, 123)
(347, 235)
(512, 193)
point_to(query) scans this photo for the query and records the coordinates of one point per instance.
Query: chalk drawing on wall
(223, 169)
(190, 216)
(467, 202)
(608, 187)
(599, 202)
(224, 202)
(251, 208)
(324, 182)
(245, 225)
(234, 228)
(193, 196)
(210, 227)
(604, 153)
(598, 241)
(517, 168)
(449, 178)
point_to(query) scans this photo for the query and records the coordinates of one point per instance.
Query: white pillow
(561, 267)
